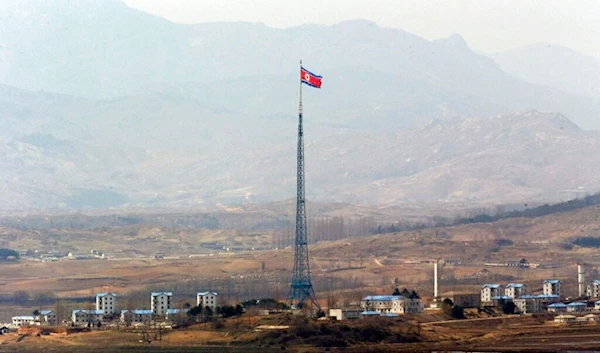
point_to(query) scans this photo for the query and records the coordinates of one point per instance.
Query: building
(160, 302)
(515, 290)
(523, 263)
(174, 313)
(593, 289)
(395, 304)
(207, 300)
(47, 317)
(576, 307)
(488, 291)
(528, 304)
(597, 305)
(465, 299)
(80, 317)
(23, 320)
(557, 308)
(552, 287)
(107, 302)
(345, 313)
(565, 319)
(129, 316)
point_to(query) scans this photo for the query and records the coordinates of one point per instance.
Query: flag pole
(300, 104)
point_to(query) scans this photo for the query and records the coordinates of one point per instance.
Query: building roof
(138, 312)
(548, 296)
(46, 312)
(596, 281)
(369, 313)
(491, 286)
(156, 294)
(95, 312)
(528, 296)
(205, 293)
(105, 294)
(389, 315)
(597, 302)
(553, 281)
(577, 304)
(515, 285)
(499, 297)
(557, 305)
(383, 297)
(23, 317)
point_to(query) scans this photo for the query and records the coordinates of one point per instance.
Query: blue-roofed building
(515, 290)
(207, 299)
(80, 317)
(576, 307)
(593, 289)
(396, 304)
(107, 302)
(557, 308)
(47, 317)
(129, 316)
(488, 291)
(160, 302)
(552, 286)
(528, 304)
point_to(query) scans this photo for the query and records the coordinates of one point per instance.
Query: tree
(396, 291)
(508, 307)
(36, 312)
(458, 312)
(8, 254)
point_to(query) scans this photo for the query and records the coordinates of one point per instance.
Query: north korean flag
(309, 78)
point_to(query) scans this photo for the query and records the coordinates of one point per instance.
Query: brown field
(508, 333)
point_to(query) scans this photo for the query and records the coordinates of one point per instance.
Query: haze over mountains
(102, 105)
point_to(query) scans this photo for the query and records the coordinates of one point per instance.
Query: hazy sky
(487, 25)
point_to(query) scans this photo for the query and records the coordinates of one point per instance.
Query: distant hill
(110, 160)
(104, 49)
(554, 66)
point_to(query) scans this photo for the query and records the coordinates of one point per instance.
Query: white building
(23, 320)
(107, 302)
(576, 307)
(593, 289)
(552, 286)
(515, 290)
(80, 317)
(160, 302)
(565, 319)
(345, 313)
(207, 300)
(557, 308)
(47, 317)
(136, 315)
(528, 304)
(394, 304)
(488, 291)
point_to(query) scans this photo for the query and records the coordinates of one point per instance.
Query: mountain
(124, 152)
(554, 66)
(105, 50)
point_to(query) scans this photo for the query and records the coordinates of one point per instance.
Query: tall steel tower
(301, 289)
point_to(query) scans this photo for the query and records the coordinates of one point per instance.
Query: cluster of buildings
(380, 305)
(161, 306)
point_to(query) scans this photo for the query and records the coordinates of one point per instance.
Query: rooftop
(205, 293)
(23, 317)
(156, 294)
(138, 312)
(515, 285)
(557, 305)
(94, 312)
(383, 297)
(105, 294)
(491, 286)
(577, 304)
(553, 281)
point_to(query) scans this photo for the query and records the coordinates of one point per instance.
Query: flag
(309, 78)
